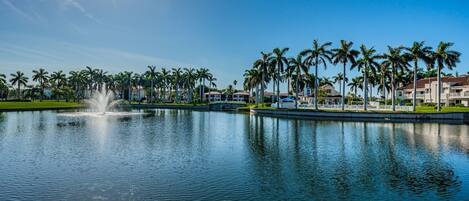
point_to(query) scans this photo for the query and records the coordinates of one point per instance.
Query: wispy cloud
(16, 9)
(77, 6)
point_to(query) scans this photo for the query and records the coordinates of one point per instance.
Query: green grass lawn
(38, 105)
(428, 109)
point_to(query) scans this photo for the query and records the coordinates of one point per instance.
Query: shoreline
(443, 117)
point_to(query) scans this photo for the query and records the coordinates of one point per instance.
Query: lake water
(187, 155)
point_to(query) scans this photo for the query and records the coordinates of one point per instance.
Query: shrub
(459, 105)
(428, 104)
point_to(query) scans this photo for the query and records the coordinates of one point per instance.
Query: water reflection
(184, 155)
(355, 160)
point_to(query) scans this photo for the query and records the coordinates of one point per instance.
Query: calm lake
(187, 155)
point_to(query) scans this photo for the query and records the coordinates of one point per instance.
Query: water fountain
(102, 101)
(101, 104)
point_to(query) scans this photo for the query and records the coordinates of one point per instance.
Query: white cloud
(17, 10)
(66, 4)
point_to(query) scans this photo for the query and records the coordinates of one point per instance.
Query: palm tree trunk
(414, 91)
(288, 87)
(316, 85)
(393, 94)
(343, 89)
(262, 89)
(297, 90)
(278, 86)
(438, 90)
(365, 90)
(151, 91)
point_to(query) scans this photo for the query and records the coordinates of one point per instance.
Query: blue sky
(223, 35)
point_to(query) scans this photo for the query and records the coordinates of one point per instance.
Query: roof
(213, 93)
(268, 93)
(458, 81)
(242, 93)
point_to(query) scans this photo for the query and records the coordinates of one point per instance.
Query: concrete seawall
(452, 117)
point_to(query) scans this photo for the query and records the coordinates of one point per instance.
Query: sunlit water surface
(186, 155)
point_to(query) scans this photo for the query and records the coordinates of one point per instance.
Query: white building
(241, 96)
(455, 90)
(331, 97)
(213, 96)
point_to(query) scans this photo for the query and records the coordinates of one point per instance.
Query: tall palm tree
(165, 78)
(344, 54)
(444, 57)
(263, 64)
(319, 53)
(299, 66)
(151, 73)
(190, 78)
(341, 79)
(396, 61)
(252, 79)
(177, 75)
(58, 79)
(42, 77)
(203, 74)
(384, 75)
(418, 52)
(18, 79)
(211, 81)
(279, 62)
(367, 64)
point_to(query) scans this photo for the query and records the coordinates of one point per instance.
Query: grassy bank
(37, 105)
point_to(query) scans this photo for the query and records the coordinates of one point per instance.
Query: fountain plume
(102, 101)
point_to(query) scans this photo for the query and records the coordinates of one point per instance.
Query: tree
(417, 52)
(18, 79)
(318, 54)
(339, 78)
(3, 86)
(263, 64)
(366, 64)
(344, 54)
(354, 85)
(58, 79)
(444, 57)
(252, 78)
(279, 62)
(396, 61)
(203, 74)
(151, 73)
(177, 75)
(299, 66)
(42, 77)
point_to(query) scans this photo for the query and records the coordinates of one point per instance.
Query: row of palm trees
(389, 70)
(161, 84)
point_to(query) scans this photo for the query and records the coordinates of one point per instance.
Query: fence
(355, 107)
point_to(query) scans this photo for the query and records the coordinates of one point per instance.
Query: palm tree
(190, 78)
(396, 61)
(203, 75)
(417, 52)
(299, 66)
(367, 64)
(59, 80)
(235, 82)
(252, 78)
(279, 62)
(318, 54)
(90, 73)
(444, 57)
(3, 86)
(177, 75)
(355, 84)
(77, 79)
(384, 75)
(151, 73)
(41, 76)
(263, 64)
(344, 54)
(211, 80)
(18, 79)
(339, 78)
(165, 78)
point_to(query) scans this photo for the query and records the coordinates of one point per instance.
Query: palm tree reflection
(333, 159)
